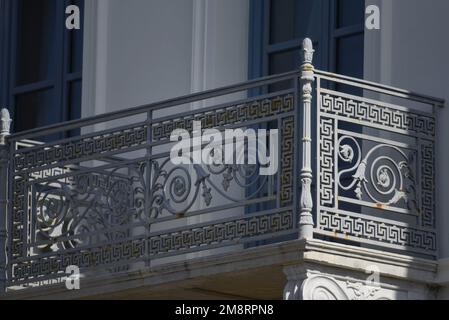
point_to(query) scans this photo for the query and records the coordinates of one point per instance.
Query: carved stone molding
(305, 284)
(323, 288)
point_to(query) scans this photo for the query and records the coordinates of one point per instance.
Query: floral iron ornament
(176, 189)
(383, 178)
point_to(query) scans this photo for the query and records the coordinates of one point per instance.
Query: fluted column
(306, 203)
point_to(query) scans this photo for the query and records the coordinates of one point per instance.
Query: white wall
(411, 51)
(142, 51)
(220, 47)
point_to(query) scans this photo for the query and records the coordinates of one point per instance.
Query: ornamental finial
(307, 51)
(5, 125)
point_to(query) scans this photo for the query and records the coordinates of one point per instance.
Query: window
(42, 62)
(278, 27)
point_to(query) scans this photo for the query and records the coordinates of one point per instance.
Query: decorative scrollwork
(88, 201)
(176, 188)
(89, 204)
(384, 174)
(376, 172)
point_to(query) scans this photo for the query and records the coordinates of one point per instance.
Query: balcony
(356, 170)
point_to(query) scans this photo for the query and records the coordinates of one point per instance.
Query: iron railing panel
(376, 169)
(104, 195)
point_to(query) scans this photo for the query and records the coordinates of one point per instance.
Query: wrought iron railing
(102, 194)
(376, 165)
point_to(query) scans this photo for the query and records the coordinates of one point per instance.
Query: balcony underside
(257, 273)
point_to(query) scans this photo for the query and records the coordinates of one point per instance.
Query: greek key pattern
(427, 184)
(230, 115)
(376, 173)
(388, 233)
(367, 113)
(326, 147)
(48, 173)
(65, 212)
(133, 250)
(18, 220)
(287, 161)
(50, 154)
(99, 256)
(222, 232)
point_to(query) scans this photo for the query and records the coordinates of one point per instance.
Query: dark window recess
(349, 58)
(293, 19)
(350, 13)
(36, 41)
(35, 107)
(278, 27)
(43, 61)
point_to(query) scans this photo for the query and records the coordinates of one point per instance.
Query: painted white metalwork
(376, 168)
(5, 124)
(107, 199)
(306, 202)
(98, 200)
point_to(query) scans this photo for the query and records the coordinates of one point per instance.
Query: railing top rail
(75, 124)
(384, 88)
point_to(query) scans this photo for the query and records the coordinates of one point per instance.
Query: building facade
(358, 206)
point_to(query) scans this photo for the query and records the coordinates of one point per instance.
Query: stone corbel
(305, 284)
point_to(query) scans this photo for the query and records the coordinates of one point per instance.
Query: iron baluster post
(149, 189)
(5, 123)
(306, 202)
